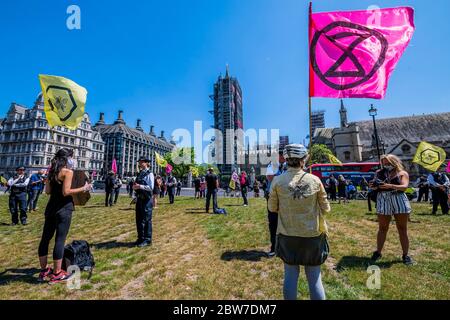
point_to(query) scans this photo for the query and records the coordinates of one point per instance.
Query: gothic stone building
(26, 139)
(127, 145)
(355, 141)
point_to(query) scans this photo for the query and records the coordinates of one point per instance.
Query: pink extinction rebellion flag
(353, 53)
(169, 169)
(114, 166)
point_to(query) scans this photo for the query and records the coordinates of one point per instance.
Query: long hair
(59, 162)
(394, 161)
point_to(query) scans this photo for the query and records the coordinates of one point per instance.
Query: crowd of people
(297, 203)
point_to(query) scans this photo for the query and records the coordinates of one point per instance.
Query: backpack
(78, 253)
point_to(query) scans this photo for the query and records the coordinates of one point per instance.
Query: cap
(20, 168)
(144, 159)
(298, 151)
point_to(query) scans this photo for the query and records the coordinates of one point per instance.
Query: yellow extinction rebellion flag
(160, 160)
(64, 101)
(429, 156)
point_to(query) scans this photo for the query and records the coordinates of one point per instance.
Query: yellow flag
(333, 159)
(194, 171)
(3, 180)
(64, 101)
(429, 156)
(232, 184)
(160, 160)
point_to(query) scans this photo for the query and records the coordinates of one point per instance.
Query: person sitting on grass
(58, 214)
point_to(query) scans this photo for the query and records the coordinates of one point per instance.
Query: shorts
(392, 202)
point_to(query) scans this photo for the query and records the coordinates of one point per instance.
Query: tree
(180, 170)
(319, 153)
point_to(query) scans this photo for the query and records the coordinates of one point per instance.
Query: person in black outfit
(117, 187)
(212, 185)
(179, 188)
(18, 186)
(58, 214)
(143, 186)
(197, 188)
(331, 184)
(109, 189)
(440, 185)
(424, 188)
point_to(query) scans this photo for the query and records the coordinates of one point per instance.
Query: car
(99, 185)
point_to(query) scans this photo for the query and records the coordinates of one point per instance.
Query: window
(347, 155)
(406, 149)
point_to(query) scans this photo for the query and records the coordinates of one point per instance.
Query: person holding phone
(58, 214)
(391, 183)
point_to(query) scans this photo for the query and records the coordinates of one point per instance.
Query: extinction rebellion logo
(347, 79)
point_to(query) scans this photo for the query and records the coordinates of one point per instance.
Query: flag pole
(310, 75)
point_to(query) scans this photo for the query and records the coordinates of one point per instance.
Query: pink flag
(114, 166)
(353, 53)
(169, 168)
(448, 167)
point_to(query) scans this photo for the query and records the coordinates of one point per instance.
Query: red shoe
(62, 276)
(45, 275)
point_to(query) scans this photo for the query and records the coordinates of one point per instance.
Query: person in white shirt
(18, 196)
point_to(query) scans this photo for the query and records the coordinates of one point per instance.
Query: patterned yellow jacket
(300, 200)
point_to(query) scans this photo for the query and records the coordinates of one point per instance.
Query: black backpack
(78, 253)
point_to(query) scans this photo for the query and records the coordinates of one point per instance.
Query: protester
(342, 189)
(179, 185)
(256, 186)
(171, 185)
(439, 184)
(18, 196)
(130, 187)
(300, 200)
(424, 188)
(203, 188)
(197, 188)
(143, 187)
(156, 191)
(212, 185)
(273, 170)
(163, 188)
(117, 186)
(351, 191)
(331, 184)
(364, 185)
(391, 183)
(244, 182)
(35, 186)
(58, 214)
(109, 189)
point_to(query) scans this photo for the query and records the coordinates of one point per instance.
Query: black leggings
(56, 222)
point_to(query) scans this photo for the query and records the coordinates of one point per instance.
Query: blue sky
(158, 60)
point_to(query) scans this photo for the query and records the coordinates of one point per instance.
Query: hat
(144, 159)
(20, 168)
(298, 151)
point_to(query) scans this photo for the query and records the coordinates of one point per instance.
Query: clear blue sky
(158, 60)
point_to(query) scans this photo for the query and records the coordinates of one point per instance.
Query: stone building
(26, 139)
(355, 141)
(127, 145)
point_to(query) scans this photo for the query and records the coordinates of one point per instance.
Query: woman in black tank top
(58, 214)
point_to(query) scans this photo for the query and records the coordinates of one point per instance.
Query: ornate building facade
(26, 139)
(126, 145)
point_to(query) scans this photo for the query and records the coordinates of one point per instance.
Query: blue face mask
(70, 163)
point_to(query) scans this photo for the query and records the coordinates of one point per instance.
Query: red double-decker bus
(354, 172)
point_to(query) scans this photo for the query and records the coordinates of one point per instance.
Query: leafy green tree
(319, 153)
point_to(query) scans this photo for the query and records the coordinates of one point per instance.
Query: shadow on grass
(354, 262)
(233, 205)
(114, 244)
(19, 275)
(245, 255)
(5, 224)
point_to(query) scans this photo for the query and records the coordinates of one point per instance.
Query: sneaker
(376, 256)
(24, 223)
(62, 276)
(271, 254)
(44, 275)
(407, 260)
(14, 224)
(245, 205)
(144, 244)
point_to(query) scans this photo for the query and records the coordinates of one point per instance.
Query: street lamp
(373, 113)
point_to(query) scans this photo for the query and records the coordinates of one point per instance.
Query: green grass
(199, 256)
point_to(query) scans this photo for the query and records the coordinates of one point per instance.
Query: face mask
(70, 163)
(389, 168)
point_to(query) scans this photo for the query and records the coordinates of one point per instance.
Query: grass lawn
(200, 256)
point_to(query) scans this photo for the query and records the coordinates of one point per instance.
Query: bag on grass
(79, 253)
(220, 211)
